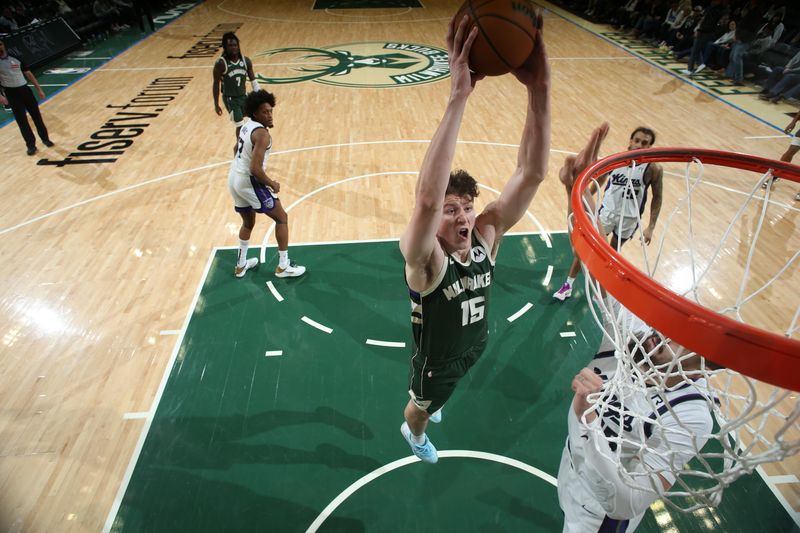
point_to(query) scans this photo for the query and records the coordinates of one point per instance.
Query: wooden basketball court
(106, 246)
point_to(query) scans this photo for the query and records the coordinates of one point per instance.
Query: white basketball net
(755, 423)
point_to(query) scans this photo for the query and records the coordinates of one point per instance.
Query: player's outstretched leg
(425, 451)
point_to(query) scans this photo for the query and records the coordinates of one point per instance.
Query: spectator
(7, 21)
(684, 37)
(746, 27)
(109, 12)
(783, 82)
(716, 54)
(651, 17)
(767, 36)
(669, 33)
(62, 7)
(705, 33)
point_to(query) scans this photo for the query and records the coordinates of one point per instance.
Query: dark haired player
(255, 192)
(232, 70)
(624, 199)
(449, 252)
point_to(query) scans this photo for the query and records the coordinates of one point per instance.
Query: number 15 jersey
(449, 318)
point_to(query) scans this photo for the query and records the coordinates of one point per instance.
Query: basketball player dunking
(449, 252)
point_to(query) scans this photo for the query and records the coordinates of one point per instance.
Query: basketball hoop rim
(749, 350)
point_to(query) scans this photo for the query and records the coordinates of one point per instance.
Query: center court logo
(370, 64)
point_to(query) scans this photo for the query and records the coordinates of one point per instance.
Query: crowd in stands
(758, 39)
(90, 19)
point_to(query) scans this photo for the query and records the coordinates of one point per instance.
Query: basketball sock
(418, 439)
(243, 245)
(570, 281)
(283, 258)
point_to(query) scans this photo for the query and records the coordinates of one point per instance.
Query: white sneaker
(292, 271)
(564, 292)
(426, 451)
(240, 270)
(687, 72)
(698, 69)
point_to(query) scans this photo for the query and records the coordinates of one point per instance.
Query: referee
(19, 96)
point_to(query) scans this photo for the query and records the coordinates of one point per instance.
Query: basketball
(506, 34)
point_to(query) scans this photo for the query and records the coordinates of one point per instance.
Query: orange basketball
(506, 34)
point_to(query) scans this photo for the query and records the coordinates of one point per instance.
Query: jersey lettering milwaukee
(450, 317)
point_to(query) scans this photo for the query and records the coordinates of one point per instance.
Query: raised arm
(657, 184)
(574, 165)
(418, 243)
(219, 70)
(534, 149)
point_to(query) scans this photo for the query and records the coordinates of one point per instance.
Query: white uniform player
(623, 200)
(590, 491)
(253, 191)
(246, 190)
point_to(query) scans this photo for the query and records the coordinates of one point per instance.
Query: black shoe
(31, 150)
(49, 143)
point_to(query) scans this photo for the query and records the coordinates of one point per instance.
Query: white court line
(85, 57)
(388, 344)
(521, 312)
(789, 478)
(317, 325)
(273, 353)
(390, 239)
(547, 276)
(385, 469)
(568, 334)
(133, 69)
(784, 136)
(52, 84)
(126, 478)
(227, 162)
(107, 195)
(544, 235)
(274, 291)
(779, 495)
(135, 416)
(169, 332)
(329, 12)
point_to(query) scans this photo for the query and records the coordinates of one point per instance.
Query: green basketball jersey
(234, 78)
(450, 318)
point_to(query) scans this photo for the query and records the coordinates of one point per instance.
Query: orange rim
(749, 350)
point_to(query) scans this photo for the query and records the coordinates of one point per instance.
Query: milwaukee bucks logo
(371, 64)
